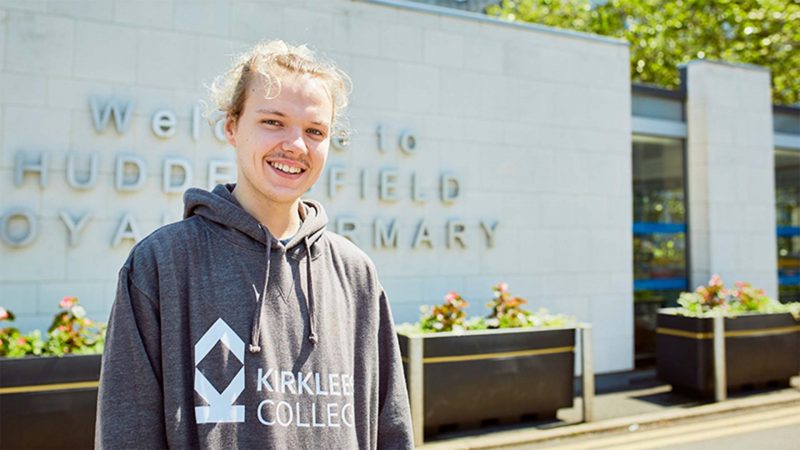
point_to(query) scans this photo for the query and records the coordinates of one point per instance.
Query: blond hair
(272, 59)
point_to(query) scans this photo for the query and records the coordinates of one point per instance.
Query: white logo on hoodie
(220, 404)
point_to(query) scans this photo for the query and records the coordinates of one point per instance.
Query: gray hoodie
(197, 356)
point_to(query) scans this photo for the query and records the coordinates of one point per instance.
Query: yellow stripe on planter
(682, 333)
(480, 356)
(763, 332)
(49, 387)
(738, 333)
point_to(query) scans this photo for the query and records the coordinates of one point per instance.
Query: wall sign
(19, 225)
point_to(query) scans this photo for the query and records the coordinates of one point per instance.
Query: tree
(664, 34)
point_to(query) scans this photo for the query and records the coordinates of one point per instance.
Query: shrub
(715, 299)
(505, 312)
(70, 333)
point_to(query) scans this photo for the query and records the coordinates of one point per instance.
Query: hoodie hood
(221, 207)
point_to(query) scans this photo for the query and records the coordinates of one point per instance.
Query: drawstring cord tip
(313, 339)
(255, 348)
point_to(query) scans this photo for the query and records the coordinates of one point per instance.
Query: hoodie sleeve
(130, 412)
(394, 415)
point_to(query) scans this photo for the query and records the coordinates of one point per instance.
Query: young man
(247, 324)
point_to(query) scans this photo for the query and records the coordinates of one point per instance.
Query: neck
(281, 219)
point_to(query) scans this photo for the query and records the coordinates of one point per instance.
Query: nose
(293, 140)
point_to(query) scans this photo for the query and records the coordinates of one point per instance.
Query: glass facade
(659, 234)
(787, 204)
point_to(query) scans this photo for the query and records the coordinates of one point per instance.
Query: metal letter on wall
(422, 236)
(22, 166)
(163, 124)
(139, 171)
(221, 172)
(347, 227)
(119, 110)
(340, 143)
(417, 194)
(31, 227)
(387, 187)
(381, 139)
(489, 230)
(127, 229)
(72, 176)
(455, 233)
(364, 182)
(74, 226)
(450, 188)
(408, 142)
(196, 116)
(219, 130)
(169, 185)
(385, 237)
(336, 177)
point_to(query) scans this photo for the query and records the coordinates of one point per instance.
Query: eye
(315, 132)
(271, 122)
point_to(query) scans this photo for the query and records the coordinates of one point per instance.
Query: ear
(230, 130)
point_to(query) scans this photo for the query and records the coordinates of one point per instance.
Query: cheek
(321, 151)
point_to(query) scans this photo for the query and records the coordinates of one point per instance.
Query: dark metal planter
(493, 376)
(48, 402)
(759, 349)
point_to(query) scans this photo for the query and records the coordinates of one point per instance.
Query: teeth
(285, 168)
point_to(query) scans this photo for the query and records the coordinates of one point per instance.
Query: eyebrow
(270, 111)
(280, 114)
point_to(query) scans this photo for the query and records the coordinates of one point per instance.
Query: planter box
(48, 402)
(759, 349)
(492, 376)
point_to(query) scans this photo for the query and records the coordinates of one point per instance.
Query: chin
(282, 197)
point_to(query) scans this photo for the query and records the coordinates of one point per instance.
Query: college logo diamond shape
(221, 406)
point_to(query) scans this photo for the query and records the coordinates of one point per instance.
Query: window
(787, 204)
(659, 234)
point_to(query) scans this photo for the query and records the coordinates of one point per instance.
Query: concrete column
(731, 175)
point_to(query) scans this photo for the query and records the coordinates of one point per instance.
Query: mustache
(283, 155)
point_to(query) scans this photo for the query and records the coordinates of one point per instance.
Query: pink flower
(715, 280)
(503, 286)
(68, 302)
(21, 340)
(3, 313)
(62, 328)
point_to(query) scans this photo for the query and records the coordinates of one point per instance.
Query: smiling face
(281, 142)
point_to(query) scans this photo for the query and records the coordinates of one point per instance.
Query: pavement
(625, 400)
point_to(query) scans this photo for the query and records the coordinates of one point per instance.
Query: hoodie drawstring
(312, 335)
(256, 331)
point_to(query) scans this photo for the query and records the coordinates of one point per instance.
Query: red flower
(68, 302)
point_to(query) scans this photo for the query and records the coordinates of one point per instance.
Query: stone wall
(528, 128)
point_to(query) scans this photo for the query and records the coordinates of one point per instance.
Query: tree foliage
(665, 34)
